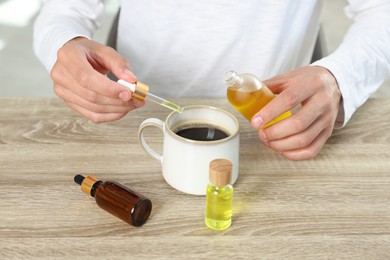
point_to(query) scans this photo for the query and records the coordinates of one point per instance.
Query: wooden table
(334, 206)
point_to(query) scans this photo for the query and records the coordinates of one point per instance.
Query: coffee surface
(202, 133)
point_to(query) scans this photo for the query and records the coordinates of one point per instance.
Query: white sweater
(183, 48)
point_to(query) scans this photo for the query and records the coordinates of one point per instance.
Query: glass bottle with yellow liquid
(248, 94)
(219, 195)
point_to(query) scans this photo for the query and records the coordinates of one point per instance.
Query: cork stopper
(220, 172)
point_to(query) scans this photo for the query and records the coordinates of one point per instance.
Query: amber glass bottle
(247, 94)
(129, 206)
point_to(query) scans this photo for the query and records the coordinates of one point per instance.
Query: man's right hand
(80, 79)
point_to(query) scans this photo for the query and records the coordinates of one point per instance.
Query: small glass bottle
(219, 195)
(247, 94)
(118, 200)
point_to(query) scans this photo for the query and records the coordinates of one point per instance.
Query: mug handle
(147, 123)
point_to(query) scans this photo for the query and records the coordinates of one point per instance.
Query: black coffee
(202, 133)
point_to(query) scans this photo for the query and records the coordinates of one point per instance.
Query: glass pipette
(141, 91)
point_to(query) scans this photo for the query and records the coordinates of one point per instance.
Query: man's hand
(302, 135)
(80, 80)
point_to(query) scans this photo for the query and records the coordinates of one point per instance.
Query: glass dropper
(141, 91)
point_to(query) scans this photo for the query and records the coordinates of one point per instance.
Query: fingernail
(124, 95)
(257, 121)
(262, 136)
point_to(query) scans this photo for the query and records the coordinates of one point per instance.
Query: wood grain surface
(336, 206)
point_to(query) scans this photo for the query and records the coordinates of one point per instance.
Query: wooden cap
(220, 172)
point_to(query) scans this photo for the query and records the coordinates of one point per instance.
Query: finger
(276, 84)
(285, 101)
(310, 151)
(294, 124)
(117, 64)
(105, 59)
(299, 140)
(71, 97)
(96, 117)
(63, 79)
(87, 77)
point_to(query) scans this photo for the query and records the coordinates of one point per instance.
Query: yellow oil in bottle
(247, 94)
(219, 207)
(219, 195)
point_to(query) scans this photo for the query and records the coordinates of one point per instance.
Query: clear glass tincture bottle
(219, 195)
(247, 94)
(118, 200)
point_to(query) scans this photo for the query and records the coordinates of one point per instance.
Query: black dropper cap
(79, 179)
(88, 184)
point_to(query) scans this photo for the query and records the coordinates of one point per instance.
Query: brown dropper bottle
(117, 199)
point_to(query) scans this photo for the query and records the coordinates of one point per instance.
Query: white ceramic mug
(185, 162)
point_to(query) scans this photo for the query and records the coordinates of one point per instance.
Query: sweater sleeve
(362, 62)
(60, 21)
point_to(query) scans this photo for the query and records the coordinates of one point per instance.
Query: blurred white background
(21, 74)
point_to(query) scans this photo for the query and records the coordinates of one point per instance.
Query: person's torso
(184, 48)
